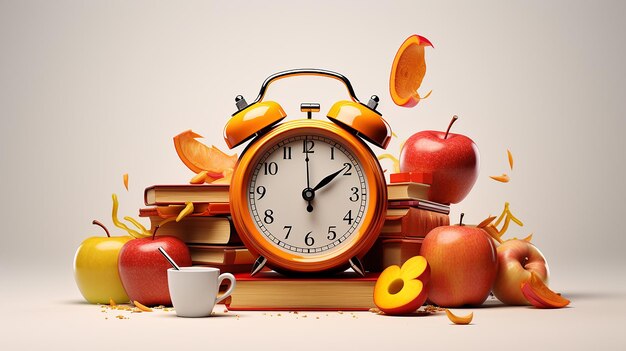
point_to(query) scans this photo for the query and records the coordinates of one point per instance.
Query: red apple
(143, 269)
(452, 159)
(463, 265)
(516, 260)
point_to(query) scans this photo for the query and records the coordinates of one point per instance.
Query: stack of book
(208, 231)
(213, 241)
(410, 216)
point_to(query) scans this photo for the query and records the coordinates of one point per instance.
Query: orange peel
(463, 320)
(199, 178)
(408, 71)
(504, 178)
(142, 307)
(198, 157)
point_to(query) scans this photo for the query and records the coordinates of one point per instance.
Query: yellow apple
(402, 290)
(95, 268)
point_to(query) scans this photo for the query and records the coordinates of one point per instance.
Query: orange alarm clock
(307, 195)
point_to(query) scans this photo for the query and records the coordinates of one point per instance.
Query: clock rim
(291, 262)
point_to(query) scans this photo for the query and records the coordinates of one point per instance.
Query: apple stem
(454, 118)
(461, 220)
(96, 222)
(154, 232)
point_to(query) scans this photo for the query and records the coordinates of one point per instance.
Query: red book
(411, 177)
(199, 210)
(421, 204)
(231, 268)
(270, 291)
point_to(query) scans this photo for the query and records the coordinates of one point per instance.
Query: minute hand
(327, 179)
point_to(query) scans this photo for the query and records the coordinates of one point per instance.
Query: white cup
(194, 290)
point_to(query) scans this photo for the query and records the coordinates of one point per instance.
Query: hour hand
(328, 179)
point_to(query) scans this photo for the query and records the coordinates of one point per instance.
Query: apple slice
(539, 295)
(402, 290)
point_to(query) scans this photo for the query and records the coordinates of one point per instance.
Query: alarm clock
(308, 195)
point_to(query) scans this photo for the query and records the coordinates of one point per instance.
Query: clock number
(269, 217)
(348, 168)
(270, 168)
(355, 194)
(348, 217)
(331, 233)
(332, 153)
(288, 227)
(307, 146)
(261, 191)
(308, 239)
(286, 152)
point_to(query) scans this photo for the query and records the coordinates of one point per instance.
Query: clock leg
(258, 265)
(357, 266)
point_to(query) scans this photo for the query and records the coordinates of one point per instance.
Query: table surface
(52, 314)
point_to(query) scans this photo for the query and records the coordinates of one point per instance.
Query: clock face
(308, 194)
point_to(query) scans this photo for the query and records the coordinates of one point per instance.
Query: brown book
(407, 191)
(269, 291)
(182, 193)
(199, 230)
(216, 254)
(412, 222)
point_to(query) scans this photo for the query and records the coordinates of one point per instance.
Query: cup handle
(230, 288)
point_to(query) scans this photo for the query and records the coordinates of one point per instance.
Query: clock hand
(328, 179)
(307, 193)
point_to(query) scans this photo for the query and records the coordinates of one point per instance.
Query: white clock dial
(279, 195)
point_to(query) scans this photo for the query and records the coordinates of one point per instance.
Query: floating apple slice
(408, 71)
(402, 290)
(459, 319)
(540, 296)
(198, 157)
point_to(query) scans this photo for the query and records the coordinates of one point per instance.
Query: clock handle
(306, 72)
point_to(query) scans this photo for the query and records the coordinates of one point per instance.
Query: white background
(92, 90)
